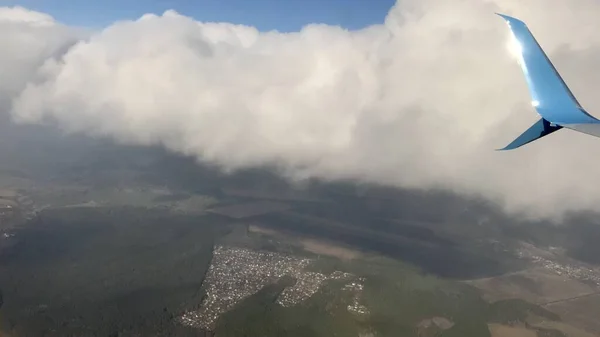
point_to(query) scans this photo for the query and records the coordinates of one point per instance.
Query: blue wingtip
(539, 129)
(510, 19)
(550, 95)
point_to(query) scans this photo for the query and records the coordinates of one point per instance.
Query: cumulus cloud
(28, 39)
(421, 100)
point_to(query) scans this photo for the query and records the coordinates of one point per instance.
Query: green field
(99, 271)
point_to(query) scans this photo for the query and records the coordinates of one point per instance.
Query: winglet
(550, 95)
(510, 18)
(538, 130)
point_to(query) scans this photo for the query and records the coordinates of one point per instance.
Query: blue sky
(283, 15)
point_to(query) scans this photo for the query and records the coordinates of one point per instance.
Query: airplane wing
(551, 97)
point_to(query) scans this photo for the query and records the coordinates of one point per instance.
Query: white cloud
(421, 101)
(28, 39)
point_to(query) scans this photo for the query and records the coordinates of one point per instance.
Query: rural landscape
(158, 245)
